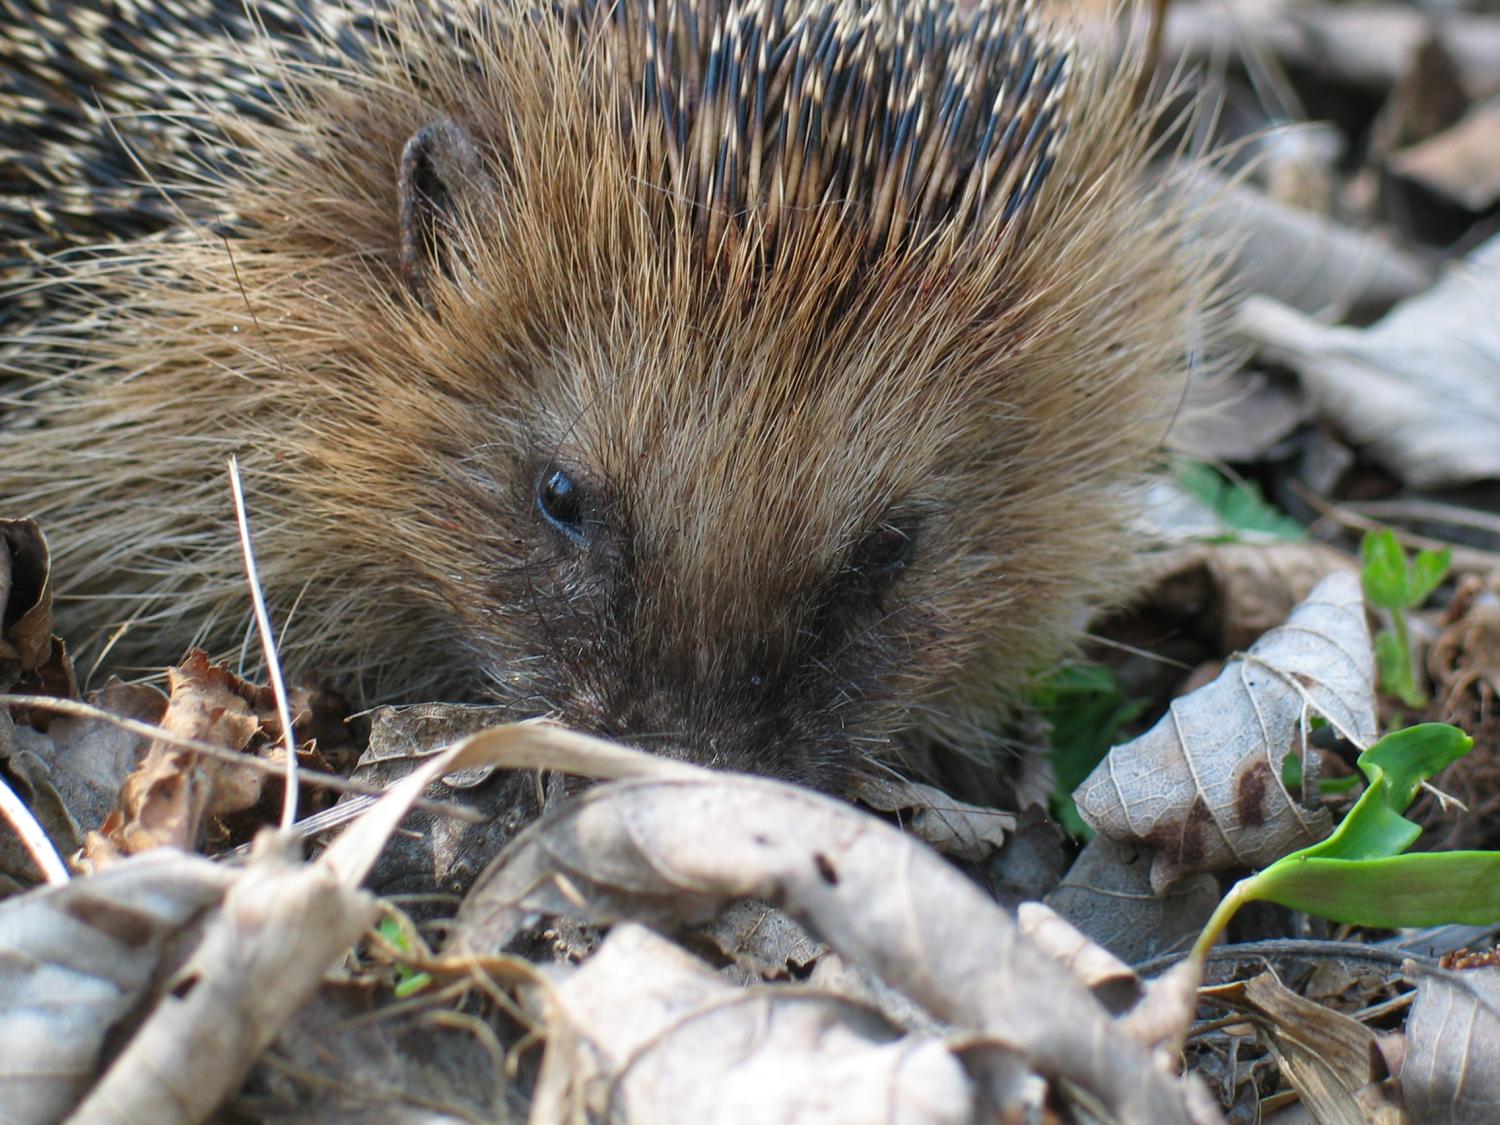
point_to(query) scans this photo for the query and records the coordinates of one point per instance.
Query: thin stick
(79, 709)
(43, 854)
(268, 647)
(1465, 559)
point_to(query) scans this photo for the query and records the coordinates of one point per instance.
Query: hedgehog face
(729, 534)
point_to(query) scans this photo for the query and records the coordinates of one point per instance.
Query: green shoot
(409, 981)
(1086, 707)
(1359, 875)
(1396, 586)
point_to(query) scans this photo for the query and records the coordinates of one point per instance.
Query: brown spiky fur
(755, 338)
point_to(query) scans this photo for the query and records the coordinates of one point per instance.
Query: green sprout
(1358, 875)
(409, 981)
(1397, 586)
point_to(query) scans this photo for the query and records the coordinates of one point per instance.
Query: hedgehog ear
(441, 177)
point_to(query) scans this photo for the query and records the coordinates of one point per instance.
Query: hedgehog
(762, 382)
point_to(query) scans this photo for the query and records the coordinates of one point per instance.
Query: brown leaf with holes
(761, 941)
(1203, 786)
(171, 793)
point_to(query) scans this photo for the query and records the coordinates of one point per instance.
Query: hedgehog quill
(755, 381)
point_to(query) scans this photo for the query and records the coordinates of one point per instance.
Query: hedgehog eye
(560, 501)
(884, 552)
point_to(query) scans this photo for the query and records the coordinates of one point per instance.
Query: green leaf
(1395, 767)
(1404, 759)
(1384, 571)
(1291, 773)
(1426, 889)
(1332, 786)
(1291, 779)
(1240, 505)
(1086, 707)
(1427, 573)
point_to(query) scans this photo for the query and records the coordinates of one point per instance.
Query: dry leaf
(1461, 164)
(1305, 260)
(90, 758)
(170, 794)
(30, 779)
(1452, 1067)
(1203, 786)
(1464, 658)
(1236, 418)
(675, 850)
(853, 981)
(1105, 975)
(281, 925)
(1331, 1060)
(762, 941)
(1238, 591)
(28, 650)
(1429, 97)
(1421, 388)
(405, 734)
(644, 1032)
(1035, 859)
(1164, 1013)
(76, 960)
(1107, 895)
(25, 599)
(964, 831)
(70, 775)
